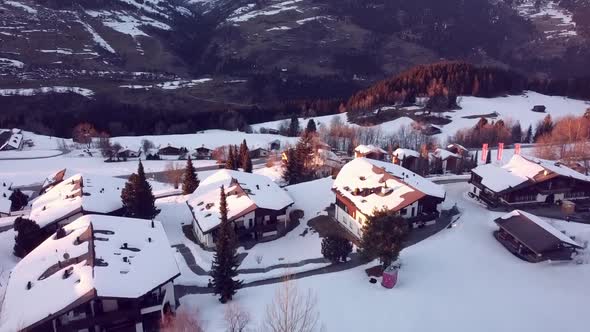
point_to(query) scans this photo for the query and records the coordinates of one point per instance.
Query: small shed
(539, 108)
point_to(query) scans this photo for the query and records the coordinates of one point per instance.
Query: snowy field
(22, 167)
(461, 279)
(515, 108)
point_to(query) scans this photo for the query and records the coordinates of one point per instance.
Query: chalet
(172, 151)
(5, 202)
(370, 151)
(274, 145)
(203, 153)
(256, 205)
(406, 158)
(99, 273)
(364, 185)
(525, 180)
(447, 161)
(76, 196)
(259, 153)
(533, 239)
(128, 153)
(457, 149)
(11, 140)
(326, 163)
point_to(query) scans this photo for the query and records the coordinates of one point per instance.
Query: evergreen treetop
(190, 180)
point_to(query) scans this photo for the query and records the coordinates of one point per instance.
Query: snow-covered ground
(515, 108)
(564, 25)
(461, 279)
(48, 89)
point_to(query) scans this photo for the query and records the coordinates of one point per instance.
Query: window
(403, 211)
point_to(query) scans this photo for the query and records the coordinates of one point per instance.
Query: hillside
(156, 56)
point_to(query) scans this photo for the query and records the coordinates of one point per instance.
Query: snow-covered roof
(403, 153)
(543, 224)
(444, 154)
(245, 193)
(523, 169)
(364, 149)
(89, 193)
(14, 141)
(5, 192)
(390, 186)
(95, 246)
(54, 178)
(450, 146)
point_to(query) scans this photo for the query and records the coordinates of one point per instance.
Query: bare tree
(83, 133)
(236, 318)
(185, 320)
(292, 310)
(146, 146)
(173, 173)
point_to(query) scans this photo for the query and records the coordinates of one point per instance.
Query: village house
(257, 206)
(11, 140)
(526, 180)
(172, 152)
(370, 151)
(52, 180)
(531, 238)
(259, 153)
(5, 202)
(129, 153)
(364, 185)
(326, 163)
(75, 196)
(446, 161)
(406, 158)
(98, 273)
(203, 153)
(457, 149)
(274, 145)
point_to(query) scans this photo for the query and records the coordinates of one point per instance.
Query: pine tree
(516, 133)
(311, 127)
(291, 169)
(190, 180)
(28, 236)
(236, 158)
(489, 157)
(225, 261)
(294, 126)
(529, 135)
(138, 199)
(304, 152)
(18, 200)
(245, 161)
(230, 162)
(336, 249)
(383, 236)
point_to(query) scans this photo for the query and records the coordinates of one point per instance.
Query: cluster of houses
(531, 182)
(449, 160)
(205, 151)
(101, 271)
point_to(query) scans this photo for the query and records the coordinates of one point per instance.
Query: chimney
(149, 239)
(29, 285)
(125, 259)
(125, 245)
(153, 226)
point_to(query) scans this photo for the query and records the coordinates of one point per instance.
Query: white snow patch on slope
(24, 7)
(49, 89)
(315, 18)
(4, 62)
(170, 85)
(125, 23)
(550, 10)
(245, 14)
(58, 51)
(97, 38)
(280, 28)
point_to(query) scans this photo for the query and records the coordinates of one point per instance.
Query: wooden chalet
(406, 158)
(11, 140)
(364, 185)
(257, 206)
(259, 153)
(447, 161)
(171, 151)
(370, 151)
(101, 273)
(532, 239)
(203, 153)
(527, 181)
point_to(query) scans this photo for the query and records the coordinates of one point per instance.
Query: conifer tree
(245, 160)
(190, 180)
(230, 162)
(294, 126)
(18, 200)
(291, 170)
(138, 199)
(311, 127)
(336, 249)
(489, 157)
(28, 236)
(383, 236)
(529, 135)
(236, 158)
(225, 261)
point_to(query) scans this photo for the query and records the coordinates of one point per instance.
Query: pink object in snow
(390, 277)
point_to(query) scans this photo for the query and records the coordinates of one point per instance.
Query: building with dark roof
(532, 239)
